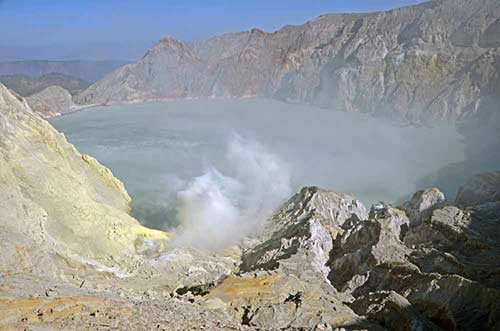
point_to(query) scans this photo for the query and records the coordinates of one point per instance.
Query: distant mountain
(435, 61)
(26, 86)
(90, 71)
(52, 101)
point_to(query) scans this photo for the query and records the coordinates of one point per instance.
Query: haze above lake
(159, 149)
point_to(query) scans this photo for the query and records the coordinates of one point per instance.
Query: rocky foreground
(73, 259)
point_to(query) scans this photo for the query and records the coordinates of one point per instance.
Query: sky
(125, 29)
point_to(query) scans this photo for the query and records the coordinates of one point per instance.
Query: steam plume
(216, 210)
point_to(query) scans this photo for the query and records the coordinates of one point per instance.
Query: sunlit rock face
(56, 200)
(437, 273)
(304, 227)
(434, 61)
(422, 203)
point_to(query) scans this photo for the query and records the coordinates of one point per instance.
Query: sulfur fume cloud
(217, 210)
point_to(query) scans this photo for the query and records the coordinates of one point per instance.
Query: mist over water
(227, 164)
(217, 210)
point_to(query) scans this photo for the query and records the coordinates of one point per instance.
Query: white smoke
(217, 210)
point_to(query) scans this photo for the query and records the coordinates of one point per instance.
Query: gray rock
(392, 310)
(300, 236)
(421, 205)
(480, 189)
(455, 303)
(363, 254)
(462, 242)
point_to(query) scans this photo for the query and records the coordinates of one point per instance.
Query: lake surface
(253, 148)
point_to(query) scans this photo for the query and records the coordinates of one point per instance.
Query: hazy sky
(124, 29)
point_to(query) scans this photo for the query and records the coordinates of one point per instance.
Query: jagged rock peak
(422, 203)
(169, 40)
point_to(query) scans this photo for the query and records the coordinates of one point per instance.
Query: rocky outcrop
(302, 231)
(282, 301)
(55, 201)
(52, 101)
(392, 310)
(422, 203)
(433, 267)
(434, 61)
(370, 254)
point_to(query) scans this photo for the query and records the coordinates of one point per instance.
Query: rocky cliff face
(434, 61)
(55, 201)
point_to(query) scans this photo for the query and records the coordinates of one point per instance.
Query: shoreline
(393, 121)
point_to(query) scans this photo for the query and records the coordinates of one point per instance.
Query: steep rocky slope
(434, 61)
(52, 101)
(56, 201)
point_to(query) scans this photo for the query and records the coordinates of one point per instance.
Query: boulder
(366, 250)
(300, 236)
(420, 206)
(456, 241)
(393, 311)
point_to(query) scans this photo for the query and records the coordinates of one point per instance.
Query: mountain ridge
(26, 85)
(88, 70)
(419, 63)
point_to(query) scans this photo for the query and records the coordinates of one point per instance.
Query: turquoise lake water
(160, 149)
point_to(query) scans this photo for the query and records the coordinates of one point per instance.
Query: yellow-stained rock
(238, 288)
(55, 198)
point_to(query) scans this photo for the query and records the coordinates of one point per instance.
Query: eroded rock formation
(435, 61)
(55, 201)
